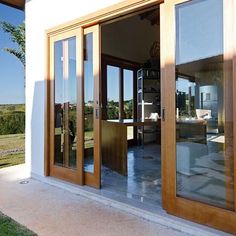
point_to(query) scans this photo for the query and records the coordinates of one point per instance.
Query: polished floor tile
(143, 183)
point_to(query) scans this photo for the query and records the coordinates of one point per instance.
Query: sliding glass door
(198, 88)
(75, 106)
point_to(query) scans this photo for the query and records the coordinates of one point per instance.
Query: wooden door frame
(129, 7)
(199, 212)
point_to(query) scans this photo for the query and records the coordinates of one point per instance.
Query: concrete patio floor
(49, 210)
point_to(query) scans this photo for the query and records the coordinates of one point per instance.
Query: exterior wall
(40, 16)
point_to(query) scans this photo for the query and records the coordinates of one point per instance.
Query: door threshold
(153, 214)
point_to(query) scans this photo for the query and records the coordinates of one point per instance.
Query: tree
(17, 35)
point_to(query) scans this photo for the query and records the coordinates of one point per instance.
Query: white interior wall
(129, 39)
(40, 16)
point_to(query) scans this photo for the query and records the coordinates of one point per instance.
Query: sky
(11, 70)
(193, 43)
(113, 84)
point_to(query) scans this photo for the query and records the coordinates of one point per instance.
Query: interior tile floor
(206, 183)
(143, 183)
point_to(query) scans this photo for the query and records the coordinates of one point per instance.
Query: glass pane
(88, 104)
(204, 124)
(113, 75)
(65, 103)
(129, 100)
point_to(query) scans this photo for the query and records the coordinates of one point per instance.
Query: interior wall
(130, 38)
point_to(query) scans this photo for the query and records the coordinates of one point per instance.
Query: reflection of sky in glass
(112, 83)
(88, 67)
(72, 71)
(128, 85)
(65, 88)
(199, 30)
(58, 67)
(183, 85)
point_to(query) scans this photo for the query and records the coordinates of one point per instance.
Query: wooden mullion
(233, 20)
(80, 105)
(66, 149)
(121, 93)
(228, 97)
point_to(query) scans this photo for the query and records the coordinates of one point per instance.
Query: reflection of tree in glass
(88, 125)
(88, 112)
(72, 122)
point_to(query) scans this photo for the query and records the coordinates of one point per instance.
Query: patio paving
(48, 210)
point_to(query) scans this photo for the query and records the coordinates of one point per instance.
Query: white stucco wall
(40, 16)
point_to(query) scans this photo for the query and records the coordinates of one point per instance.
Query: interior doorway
(131, 99)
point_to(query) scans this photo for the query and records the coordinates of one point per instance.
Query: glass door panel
(91, 106)
(88, 104)
(198, 114)
(75, 106)
(204, 125)
(65, 103)
(65, 127)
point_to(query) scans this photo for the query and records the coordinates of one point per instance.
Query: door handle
(97, 111)
(163, 111)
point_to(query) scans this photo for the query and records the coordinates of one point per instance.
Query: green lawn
(12, 150)
(12, 159)
(12, 141)
(9, 227)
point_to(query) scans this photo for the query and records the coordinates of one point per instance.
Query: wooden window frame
(122, 64)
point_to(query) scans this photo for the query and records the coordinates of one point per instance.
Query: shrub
(13, 123)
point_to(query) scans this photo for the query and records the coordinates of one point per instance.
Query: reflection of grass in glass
(88, 139)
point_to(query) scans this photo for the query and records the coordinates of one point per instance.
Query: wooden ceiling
(19, 4)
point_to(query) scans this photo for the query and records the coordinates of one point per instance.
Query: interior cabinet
(148, 102)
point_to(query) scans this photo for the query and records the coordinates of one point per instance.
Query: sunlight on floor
(217, 139)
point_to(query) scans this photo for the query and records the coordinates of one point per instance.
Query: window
(120, 91)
